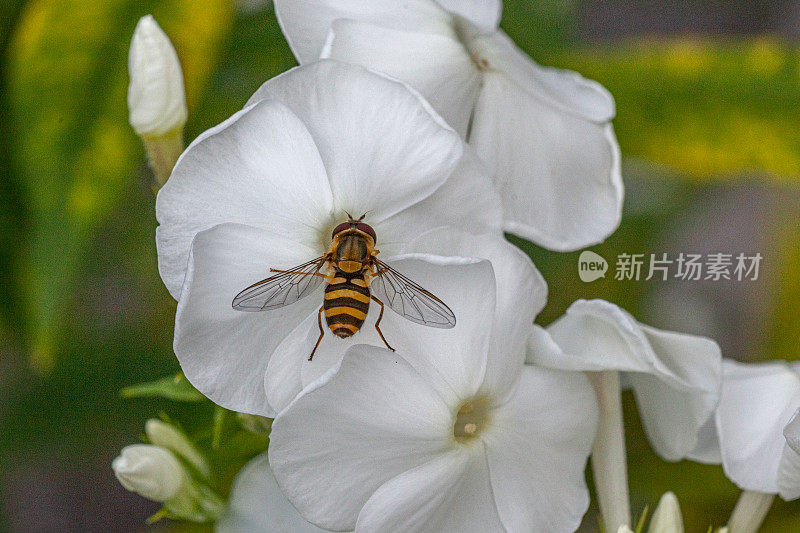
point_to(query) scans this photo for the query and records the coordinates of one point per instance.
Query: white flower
(667, 517)
(156, 99)
(265, 188)
(758, 405)
(545, 134)
(450, 433)
(150, 471)
(257, 504)
(675, 377)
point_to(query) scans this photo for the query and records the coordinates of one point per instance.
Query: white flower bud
(667, 518)
(624, 529)
(166, 436)
(149, 471)
(156, 98)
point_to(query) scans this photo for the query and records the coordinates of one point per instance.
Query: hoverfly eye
(341, 227)
(366, 228)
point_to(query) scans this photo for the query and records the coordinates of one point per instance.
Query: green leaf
(75, 153)
(175, 388)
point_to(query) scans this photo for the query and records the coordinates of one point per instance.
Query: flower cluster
(372, 185)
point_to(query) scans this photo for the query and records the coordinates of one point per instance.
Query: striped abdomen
(346, 303)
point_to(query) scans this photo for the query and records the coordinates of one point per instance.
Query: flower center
(471, 419)
(469, 35)
(480, 62)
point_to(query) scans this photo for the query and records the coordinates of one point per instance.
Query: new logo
(591, 266)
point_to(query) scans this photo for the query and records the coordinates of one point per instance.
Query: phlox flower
(265, 188)
(675, 377)
(754, 432)
(544, 133)
(449, 433)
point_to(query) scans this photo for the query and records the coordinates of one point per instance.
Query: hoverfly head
(355, 224)
(366, 228)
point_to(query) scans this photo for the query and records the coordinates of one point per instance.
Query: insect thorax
(352, 248)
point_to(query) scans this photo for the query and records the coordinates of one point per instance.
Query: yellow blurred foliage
(708, 108)
(75, 152)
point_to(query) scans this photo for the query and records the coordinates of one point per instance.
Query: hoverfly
(353, 275)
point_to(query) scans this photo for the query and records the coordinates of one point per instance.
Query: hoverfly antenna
(349, 216)
(364, 215)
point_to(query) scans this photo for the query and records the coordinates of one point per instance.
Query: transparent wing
(281, 289)
(408, 299)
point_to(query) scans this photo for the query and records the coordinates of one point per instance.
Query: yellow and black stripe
(346, 303)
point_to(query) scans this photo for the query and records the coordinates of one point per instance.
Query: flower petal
(289, 369)
(224, 352)
(306, 23)
(361, 424)
(438, 66)
(675, 377)
(485, 14)
(466, 201)
(707, 449)
(521, 295)
(789, 474)
(792, 432)
(757, 402)
(258, 505)
(542, 350)
(260, 168)
(558, 173)
(675, 431)
(537, 447)
(382, 145)
(520, 285)
(283, 380)
(449, 493)
(453, 359)
(563, 89)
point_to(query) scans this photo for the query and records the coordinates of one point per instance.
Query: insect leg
(321, 333)
(378, 323)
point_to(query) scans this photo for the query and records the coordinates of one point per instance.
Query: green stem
(162, 153)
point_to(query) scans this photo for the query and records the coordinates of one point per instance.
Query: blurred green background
(708, 96)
